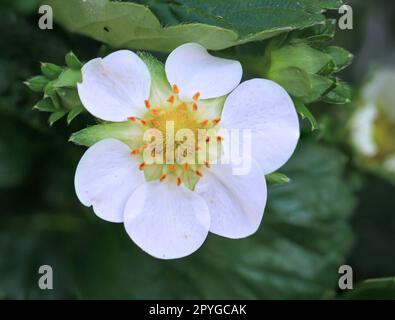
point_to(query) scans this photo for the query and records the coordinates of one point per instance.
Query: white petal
(115, 87)
(193, 70)
(166, 221)
(106, 176)
(236, 202)
(266, 109)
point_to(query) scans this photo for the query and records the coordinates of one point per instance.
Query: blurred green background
(334, 211)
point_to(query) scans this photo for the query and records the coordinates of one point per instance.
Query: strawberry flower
(169, 208)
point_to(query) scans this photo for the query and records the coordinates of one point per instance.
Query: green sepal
(45, 105)
(153, 172)
(72, 61)
(304, 64)
(341, 57)
(127, 132)
(59, 87)
(37, 84)
(277, 178)
(57, 115)
(68, 78)
(50, 70)
(74, 113)
(341, 94)
(190, 179)
(306, 114)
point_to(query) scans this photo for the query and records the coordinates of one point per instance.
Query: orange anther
(135, 152)
(219, 138)
(143, 122)
(142, 166)
(170, 99)
(199, 173)
(183, 106)
(155, 123)
(163, 177)
(216, 120)
(132, 119)
(196, 96)
(204, 122)
(178, 181)
(207, 139)
(155, 111)
(175, 89)
(172, 167)
(207, 164)
(147, 104)
(186, 166)
(194, 106)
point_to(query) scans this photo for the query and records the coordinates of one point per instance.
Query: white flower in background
(373, 124)
(169, 209)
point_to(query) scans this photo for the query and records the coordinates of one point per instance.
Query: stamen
(147, 104)
(156, 111)
(216, 120)
(135, 152)
(175, 89)
(194, 106)
(142, 166)
(170, 99)
(204, 122)
(199, 173)
(186, 166)
(178, 181)
(196, 96)
(219, 138)
(163, 177)
(143, 122)
(207, 139)
(207, 165)
(155, 123)
(132, 119)
(172, 167)
(183, 106)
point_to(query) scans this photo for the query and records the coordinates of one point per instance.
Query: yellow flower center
(177, 116)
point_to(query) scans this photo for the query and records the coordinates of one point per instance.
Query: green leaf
(277, 178)
(127, 132)
(162, 26)
(306, 114)
(72, 61)
(37, 83)
(341, 57)
(372, 289)
(295, 253)
(317, 35)
(50, 70)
